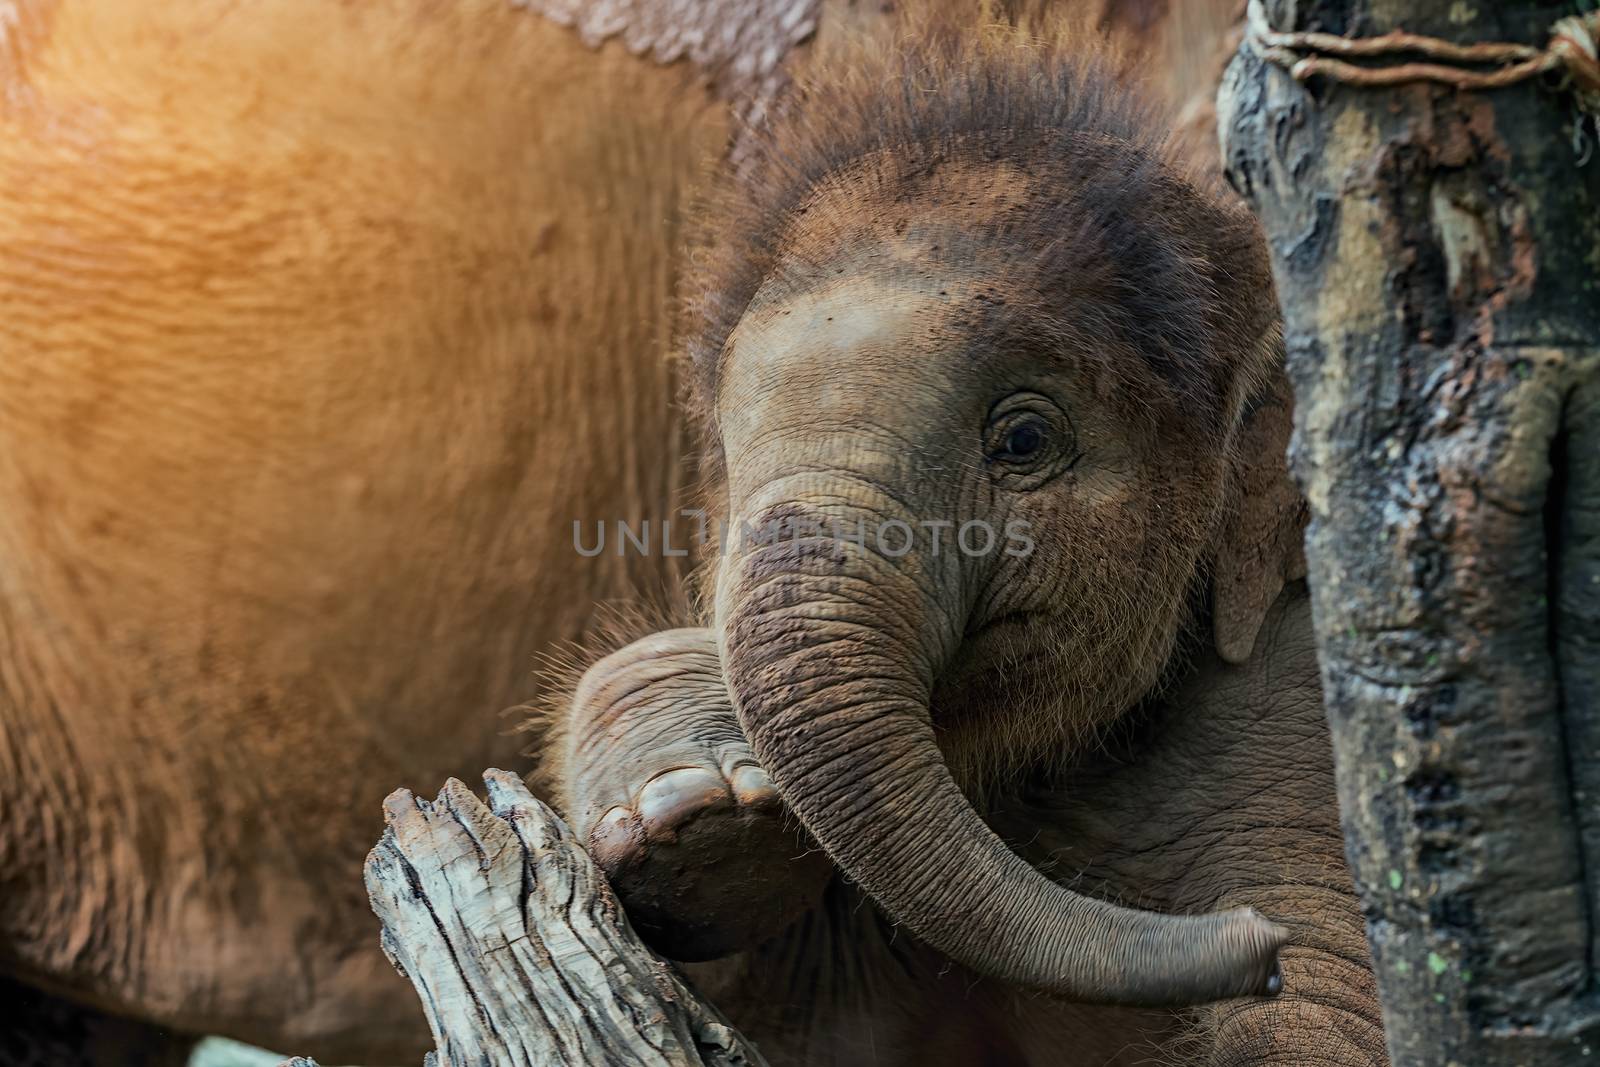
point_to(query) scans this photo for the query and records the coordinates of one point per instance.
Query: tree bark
(1437, 254)
(518, 950)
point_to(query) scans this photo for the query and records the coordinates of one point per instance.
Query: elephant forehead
(831, 343)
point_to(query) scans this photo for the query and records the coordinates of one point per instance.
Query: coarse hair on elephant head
(966, 286)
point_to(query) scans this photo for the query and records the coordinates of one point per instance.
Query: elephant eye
(1028, 440)
(1024, 440)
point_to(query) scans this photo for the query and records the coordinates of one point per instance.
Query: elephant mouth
(997, 654)
(1004, 662)
(1001, 624)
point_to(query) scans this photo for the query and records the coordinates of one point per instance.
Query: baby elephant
(992, 394)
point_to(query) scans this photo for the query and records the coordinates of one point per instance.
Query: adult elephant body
(320, 324)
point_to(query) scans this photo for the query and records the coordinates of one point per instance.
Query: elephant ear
(1261, 547)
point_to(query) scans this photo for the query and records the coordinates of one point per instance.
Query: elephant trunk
(830, 650)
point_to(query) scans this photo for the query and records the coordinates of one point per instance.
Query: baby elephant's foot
(675, 809)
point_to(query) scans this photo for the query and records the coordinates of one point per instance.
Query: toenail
(618, 836)
(753, 788)
(670, 798)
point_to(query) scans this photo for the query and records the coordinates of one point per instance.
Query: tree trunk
(519, 952)
(1437, 253)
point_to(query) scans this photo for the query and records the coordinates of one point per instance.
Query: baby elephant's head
(974, 357)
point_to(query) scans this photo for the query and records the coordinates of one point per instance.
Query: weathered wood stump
(520, 953)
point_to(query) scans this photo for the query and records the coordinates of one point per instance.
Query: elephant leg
(660, 782)
(47, 1031)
